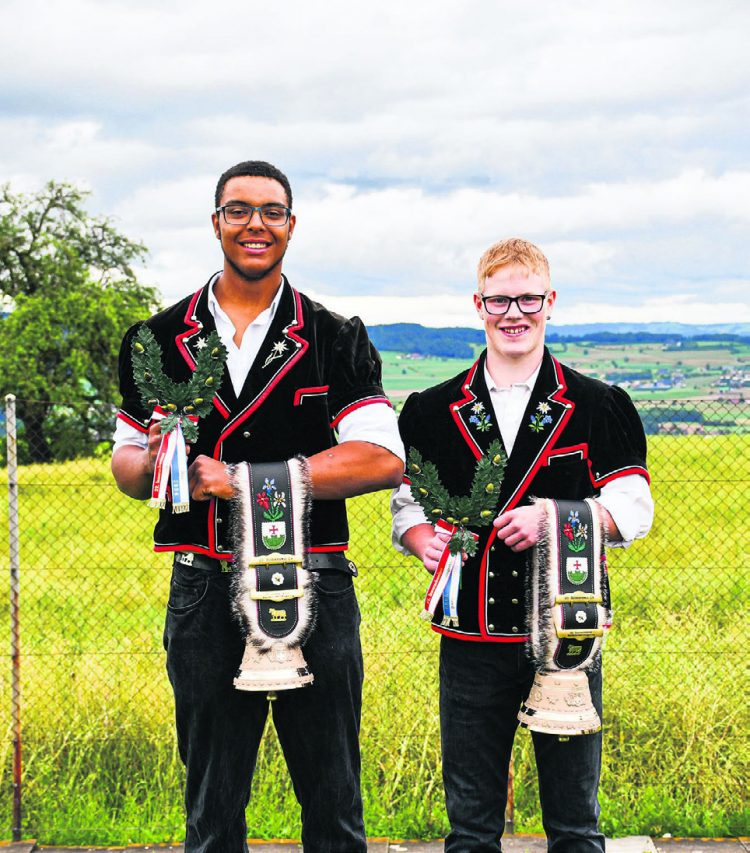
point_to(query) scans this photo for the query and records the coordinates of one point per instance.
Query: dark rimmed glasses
(528, 303)
(271, 215)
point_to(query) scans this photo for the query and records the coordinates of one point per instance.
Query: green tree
(70, 292)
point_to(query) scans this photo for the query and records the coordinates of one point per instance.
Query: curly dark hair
(254, 169)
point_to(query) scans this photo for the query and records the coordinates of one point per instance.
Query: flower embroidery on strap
(540, 418)
(271, 500)
(575, 532)
(480, 418)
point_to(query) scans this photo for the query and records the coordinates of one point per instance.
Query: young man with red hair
(566, 436)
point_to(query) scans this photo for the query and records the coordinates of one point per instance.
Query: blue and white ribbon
(170, 467)
(450, 593)
(446, 582)
(180, 488)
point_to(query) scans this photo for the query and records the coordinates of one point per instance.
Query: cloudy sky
(415, 134)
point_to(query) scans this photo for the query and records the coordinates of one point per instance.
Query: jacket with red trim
(312, 368)
(576, 434)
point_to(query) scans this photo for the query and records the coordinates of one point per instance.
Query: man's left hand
(208, 478)
(519, 528)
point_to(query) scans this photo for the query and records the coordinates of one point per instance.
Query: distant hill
(411, 337)
(456, 342)
(662, 330)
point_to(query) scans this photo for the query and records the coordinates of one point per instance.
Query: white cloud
(480, 56)
(429, 240)
(34, 150)
(415, 135)
(662, 309)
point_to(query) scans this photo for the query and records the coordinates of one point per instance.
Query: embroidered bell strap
(170, 467)
(576, 577)
(274, 548)
(446, 582)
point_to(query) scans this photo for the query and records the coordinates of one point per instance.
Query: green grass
(700, 367)
(100, 760)
(402, 374)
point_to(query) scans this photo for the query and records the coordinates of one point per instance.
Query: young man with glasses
(568, 437)
(295, 373)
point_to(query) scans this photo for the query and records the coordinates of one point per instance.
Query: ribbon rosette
(178, 406)
(455, 515)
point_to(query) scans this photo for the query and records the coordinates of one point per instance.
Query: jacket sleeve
(354, 374)
(618, 443)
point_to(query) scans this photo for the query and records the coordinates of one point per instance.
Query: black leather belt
(331, 562)
(334, 561)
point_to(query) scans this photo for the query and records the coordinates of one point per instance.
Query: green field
(99, 754)
(403, 374)
(703, 370)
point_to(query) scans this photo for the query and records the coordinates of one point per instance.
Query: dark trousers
(482, 686)
(219, 728)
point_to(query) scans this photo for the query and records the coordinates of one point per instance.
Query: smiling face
(253, 251)
(515, 337)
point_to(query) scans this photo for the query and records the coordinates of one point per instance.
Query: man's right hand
(434, 550)
(154, 442)
(426, 543)
(133, 466)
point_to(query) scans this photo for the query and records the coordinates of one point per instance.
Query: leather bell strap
(275, 554)
(570, 587)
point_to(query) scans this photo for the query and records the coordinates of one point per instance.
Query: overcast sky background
(415, 134)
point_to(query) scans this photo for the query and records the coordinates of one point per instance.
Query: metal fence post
(510, 805)
(15, 589)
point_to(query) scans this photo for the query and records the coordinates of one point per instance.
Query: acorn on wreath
(183, 400)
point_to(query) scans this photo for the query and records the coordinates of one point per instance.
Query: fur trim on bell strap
(273, 592)
(567, 599)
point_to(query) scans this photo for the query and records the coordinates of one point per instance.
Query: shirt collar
(263, 319)
(527, 384)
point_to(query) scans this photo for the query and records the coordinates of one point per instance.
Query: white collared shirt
(509, 403)
(627, 499)
(239, 358)
(375, 423)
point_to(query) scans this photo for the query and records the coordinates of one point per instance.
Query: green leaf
(432, 496)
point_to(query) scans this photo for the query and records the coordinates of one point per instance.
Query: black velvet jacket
(312, 369)
(576, 435)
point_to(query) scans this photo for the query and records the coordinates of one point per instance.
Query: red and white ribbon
(446, 581)
(170, 467)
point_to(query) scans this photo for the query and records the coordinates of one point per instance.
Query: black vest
(576, 435)
(312, 368)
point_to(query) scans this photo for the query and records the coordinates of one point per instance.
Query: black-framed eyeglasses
(528, 303)
(272, 215)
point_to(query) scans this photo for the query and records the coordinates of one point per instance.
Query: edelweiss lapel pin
(277, 350)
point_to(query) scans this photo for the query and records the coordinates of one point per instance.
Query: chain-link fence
(87, 702)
